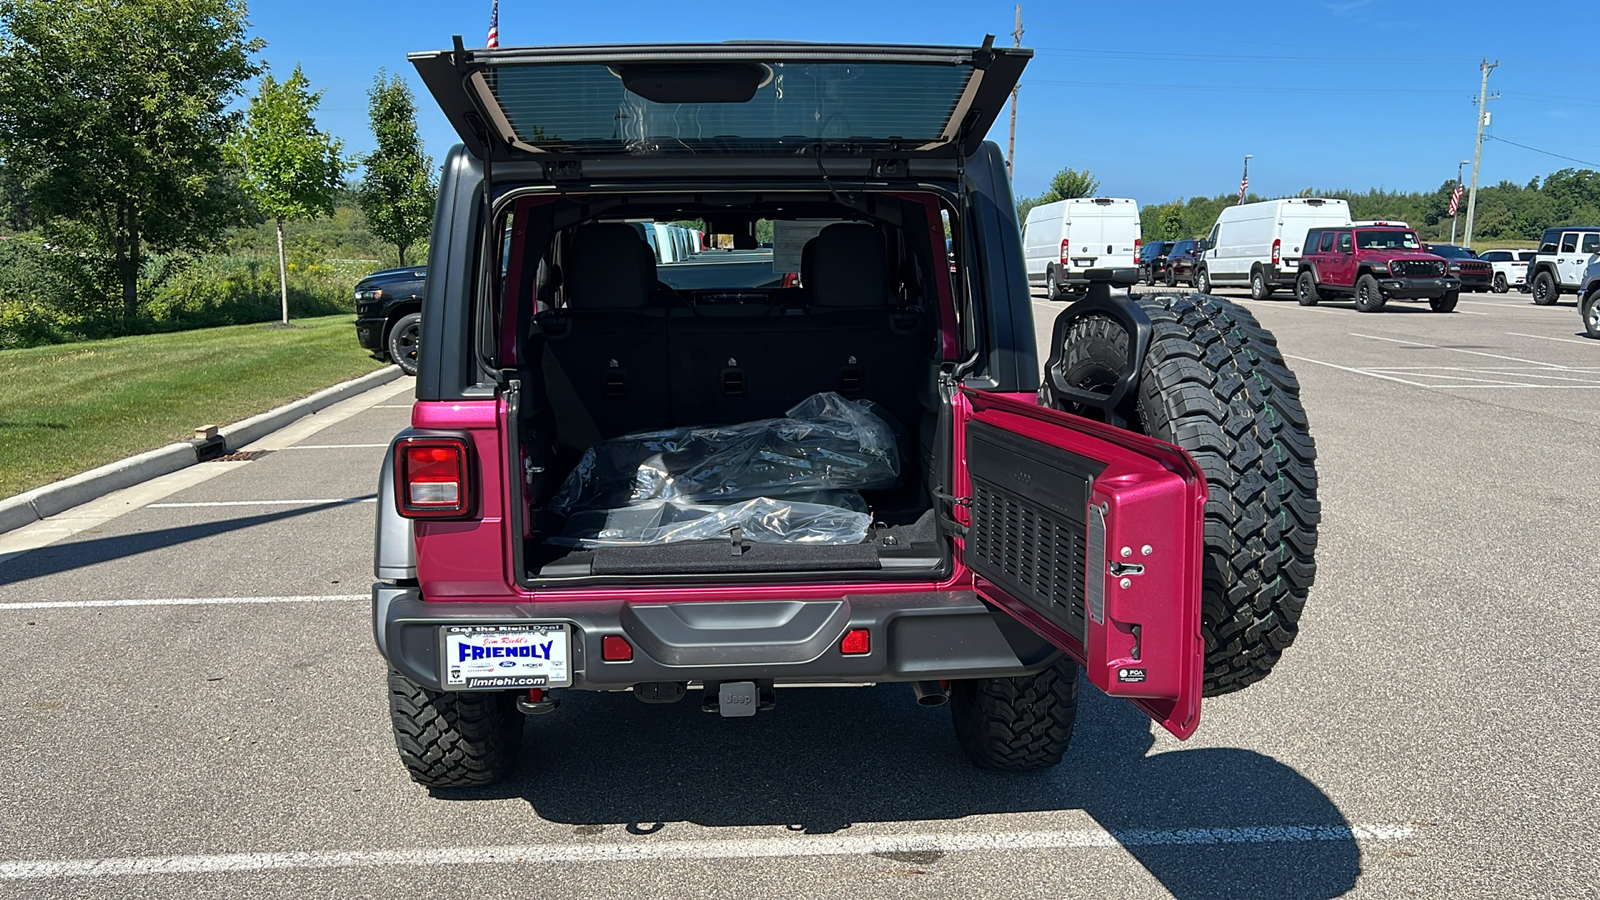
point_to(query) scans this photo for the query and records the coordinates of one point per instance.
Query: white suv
(1510, 268)
(1559, 265)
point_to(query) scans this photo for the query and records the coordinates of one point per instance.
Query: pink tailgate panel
(1153, 495)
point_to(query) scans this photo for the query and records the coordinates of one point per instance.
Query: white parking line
(749, 848)
(180, 601)
(1562, 340)
(1536, 362)
(1330, 365)
(263, 502)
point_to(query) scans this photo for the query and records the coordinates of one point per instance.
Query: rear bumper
(1419, 287)
(926, 636)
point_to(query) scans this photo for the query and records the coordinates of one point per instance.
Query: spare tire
(1215, 384)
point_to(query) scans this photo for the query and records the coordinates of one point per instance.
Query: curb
(52, 499)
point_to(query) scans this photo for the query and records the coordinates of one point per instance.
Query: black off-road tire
(1215, 384)
(1369, 294)
(1017, 724)
(1305, 289)
(1545, 290)
(1259, 288)
(1445, 304)
(449, 739)
(1500, 285)
(1202, 280)
(404, 336)
(1591, 313)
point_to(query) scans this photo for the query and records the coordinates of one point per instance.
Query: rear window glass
(1569, 243)
(1591, 243)
(1327, 242)
(1495, 256)
(1344, 242)
(587, 106)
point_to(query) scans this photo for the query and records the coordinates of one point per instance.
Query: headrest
(851, 268)
(808, 263)
(609, 267)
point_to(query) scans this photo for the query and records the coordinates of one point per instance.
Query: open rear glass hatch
(744, 98)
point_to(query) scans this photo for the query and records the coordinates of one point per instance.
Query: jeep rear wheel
(1500, 286)
(1202, 281)
(1021, 723)
(1447, 303)
(1215, 384)
(1545, 290)
(1259, 289)
(1369, 296)
(1052, 288)
(449, 739)
(1171, 278)
(1305, 289)
(1591, 313)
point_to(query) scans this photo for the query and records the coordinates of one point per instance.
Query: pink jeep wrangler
(704, 407)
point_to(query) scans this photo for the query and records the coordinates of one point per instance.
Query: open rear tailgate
(1093, 537)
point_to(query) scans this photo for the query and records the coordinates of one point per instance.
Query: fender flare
(1121, 308)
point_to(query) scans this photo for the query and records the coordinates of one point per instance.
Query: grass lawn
(67, 408)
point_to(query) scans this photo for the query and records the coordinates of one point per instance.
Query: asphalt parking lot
(193, 706)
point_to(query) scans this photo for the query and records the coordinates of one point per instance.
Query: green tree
(397, 192)
(1066, 184)
(118, 112)
(290, 169)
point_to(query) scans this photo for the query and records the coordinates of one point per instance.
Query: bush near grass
(68, 408)
(52, 297)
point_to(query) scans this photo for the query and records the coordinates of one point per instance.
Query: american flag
(1455, 200)
(494, 27)
(1243, 183)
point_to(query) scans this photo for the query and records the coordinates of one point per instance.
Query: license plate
(1083, 262)
(485, 657)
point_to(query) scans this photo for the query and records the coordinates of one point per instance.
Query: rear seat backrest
(736, 370)
(605, 354)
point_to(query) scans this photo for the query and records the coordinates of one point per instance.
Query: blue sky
(1349, 93)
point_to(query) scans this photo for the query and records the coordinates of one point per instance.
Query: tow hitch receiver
(739, 699)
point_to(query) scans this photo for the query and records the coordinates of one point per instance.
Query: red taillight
(1277, 247)
(432, 478)
(615, 648)
(858, 641)
(1064, 253)
(1137, 244)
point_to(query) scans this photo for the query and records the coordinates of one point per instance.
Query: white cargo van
(1063, 240)
(1259, 243)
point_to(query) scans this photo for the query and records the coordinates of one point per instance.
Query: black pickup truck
(389, 314)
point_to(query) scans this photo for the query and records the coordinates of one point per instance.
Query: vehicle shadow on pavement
(825, 760)
(79, 552)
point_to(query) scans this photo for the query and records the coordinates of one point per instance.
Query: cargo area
(715, 392)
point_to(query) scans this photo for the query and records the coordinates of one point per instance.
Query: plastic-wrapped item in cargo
(825, 443)
(763, 520)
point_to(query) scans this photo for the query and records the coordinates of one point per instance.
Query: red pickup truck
(1374, 264)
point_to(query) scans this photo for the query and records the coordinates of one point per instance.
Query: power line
(1545, 152)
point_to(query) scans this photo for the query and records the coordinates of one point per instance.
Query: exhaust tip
(929, 693)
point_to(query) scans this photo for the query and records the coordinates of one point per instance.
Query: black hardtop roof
(593, 101)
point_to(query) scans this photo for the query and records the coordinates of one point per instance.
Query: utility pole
(1477, 151)
(1011, 145)
(1454, 219)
